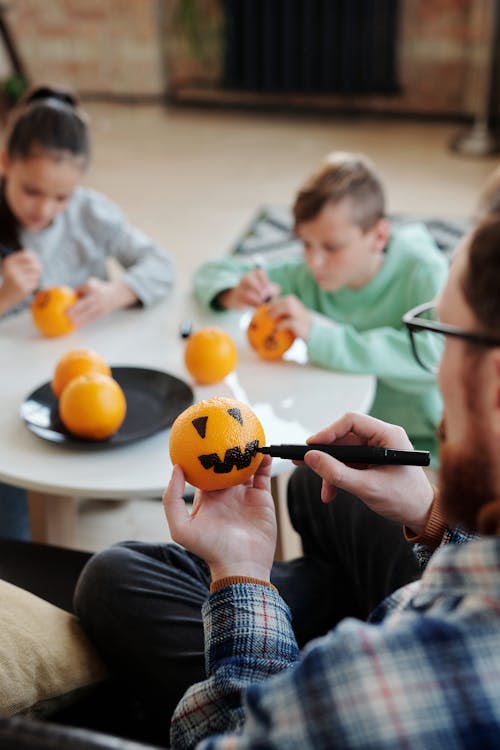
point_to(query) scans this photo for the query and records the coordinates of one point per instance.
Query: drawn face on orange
(215, 442)
(265, 337)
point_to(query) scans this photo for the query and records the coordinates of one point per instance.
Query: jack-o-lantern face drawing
(215, 442)
(264, 336)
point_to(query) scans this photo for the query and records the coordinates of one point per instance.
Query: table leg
(52, 518)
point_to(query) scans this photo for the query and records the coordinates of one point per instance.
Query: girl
(52, 232)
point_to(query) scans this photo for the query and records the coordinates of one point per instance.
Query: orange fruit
(268, 341)
(76, 362)
(48, 310)
(210, 355)
(92, 406)
(215, 442)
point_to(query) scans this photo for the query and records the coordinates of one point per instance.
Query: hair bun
(40, 93)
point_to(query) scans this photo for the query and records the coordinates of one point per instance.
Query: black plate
(154, 400)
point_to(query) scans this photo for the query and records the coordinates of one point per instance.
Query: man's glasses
(427, 335)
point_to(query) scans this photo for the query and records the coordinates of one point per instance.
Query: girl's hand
(254, 289)
(98, 298)
(399, 493)
(292, 315)
(21, 272)
(233, 530)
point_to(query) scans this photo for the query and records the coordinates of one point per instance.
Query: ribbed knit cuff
(230, 580)
(432, 533)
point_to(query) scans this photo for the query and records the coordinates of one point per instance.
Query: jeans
(14, 518)
(141, 603)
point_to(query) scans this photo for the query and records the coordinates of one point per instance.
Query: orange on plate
(92, 406)
(48, 310)
(215, 443)
(264, 336)
(76, 362)
(210, 355)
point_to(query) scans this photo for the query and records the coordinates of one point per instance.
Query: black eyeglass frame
(414, 323)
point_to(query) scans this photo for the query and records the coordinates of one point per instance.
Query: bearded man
(425, 670)
(410, 653)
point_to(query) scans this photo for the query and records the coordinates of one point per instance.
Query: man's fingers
(335, 473)
(174, 504)
(262, 477)
(367, 429)
(362, 425)
(328, 492)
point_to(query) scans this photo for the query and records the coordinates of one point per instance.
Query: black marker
(185, 329)
(351, 454)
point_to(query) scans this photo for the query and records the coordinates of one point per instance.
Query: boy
(346, 297)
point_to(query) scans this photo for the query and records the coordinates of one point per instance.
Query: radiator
(314, 46)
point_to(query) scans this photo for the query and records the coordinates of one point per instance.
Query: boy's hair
(481, 279)
(343, 175)
(46, 120)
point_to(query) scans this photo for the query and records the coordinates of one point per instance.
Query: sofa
(27, 734)
(54, 688)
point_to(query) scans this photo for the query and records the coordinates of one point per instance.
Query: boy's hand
(233, 530)
(21, 272)
(399, 493)
(97, 298)
(254, 289)
(292, 315)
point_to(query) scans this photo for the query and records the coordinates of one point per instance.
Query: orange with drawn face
(264, 336)
(215, 442)
(49, 310)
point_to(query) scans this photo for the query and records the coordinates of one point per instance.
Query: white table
(292, 399)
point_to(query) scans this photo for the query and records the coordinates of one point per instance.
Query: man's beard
(466, 479)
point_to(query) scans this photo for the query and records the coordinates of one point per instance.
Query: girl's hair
(46, 120)
(343, 175)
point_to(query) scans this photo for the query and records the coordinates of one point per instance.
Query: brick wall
(441, 53)
(129, 48)
(95, 46)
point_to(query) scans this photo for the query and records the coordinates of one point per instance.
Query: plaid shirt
(425, 675)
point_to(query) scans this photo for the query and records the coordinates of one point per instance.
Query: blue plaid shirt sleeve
(248, 638)
(425, 676)
(451, 536)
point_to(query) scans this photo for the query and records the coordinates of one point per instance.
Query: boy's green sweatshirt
(361, 330)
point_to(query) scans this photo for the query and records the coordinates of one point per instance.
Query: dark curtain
(314, 46)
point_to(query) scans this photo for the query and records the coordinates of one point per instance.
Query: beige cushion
(44, 653)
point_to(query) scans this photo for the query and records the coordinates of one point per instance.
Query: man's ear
(4, 162)
(496, 392)
(381, 231)
(493, 417)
